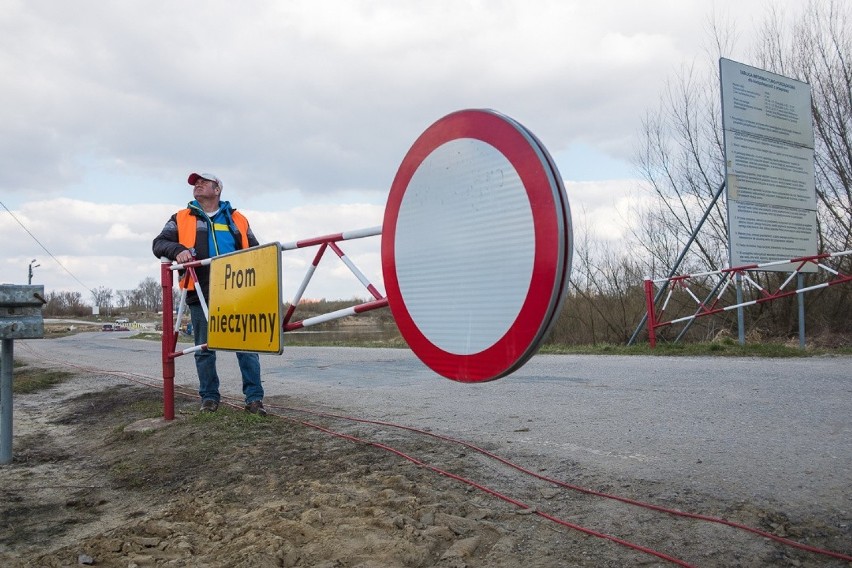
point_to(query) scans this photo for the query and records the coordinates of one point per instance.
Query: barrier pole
(167, 279)
(651, 319)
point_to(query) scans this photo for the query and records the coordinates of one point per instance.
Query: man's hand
(184, 256)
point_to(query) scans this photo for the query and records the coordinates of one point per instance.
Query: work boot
(256, 407)
(209, 405)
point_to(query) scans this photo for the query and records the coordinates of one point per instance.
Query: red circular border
(506, 136)
(511, 141)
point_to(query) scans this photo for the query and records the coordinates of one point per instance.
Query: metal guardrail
(20, 311)
(20, 318)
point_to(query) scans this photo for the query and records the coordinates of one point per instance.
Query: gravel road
(770, 431)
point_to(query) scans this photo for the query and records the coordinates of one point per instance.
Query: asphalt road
(778, 431)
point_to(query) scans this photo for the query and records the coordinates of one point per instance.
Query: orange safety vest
(187, 232)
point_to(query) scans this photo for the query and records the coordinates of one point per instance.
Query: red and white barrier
(476, 250)
(681, 282)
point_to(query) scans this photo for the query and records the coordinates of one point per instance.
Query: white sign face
(769, 158)
(476, 245)
(477, 227)
(766, 105)
(767, 234)
(769, 173)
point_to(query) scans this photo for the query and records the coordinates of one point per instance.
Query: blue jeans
(205, 364)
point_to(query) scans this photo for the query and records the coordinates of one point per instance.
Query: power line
(44, 248)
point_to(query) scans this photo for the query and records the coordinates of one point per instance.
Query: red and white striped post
(652, 319)
(168, 343)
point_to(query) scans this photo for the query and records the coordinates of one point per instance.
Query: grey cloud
(157, 85)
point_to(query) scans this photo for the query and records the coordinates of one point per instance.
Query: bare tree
(124, 299)
(681, 158)
(819, 52)
(102, 298)
(681, 152)
(150, 294)
(65, 304)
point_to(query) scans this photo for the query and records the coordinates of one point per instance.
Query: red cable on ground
(492, 492)
(627, 500)
(658, 508)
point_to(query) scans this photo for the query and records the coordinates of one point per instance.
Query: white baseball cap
(193, 179)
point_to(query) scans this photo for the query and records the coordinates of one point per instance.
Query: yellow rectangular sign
(245, 301)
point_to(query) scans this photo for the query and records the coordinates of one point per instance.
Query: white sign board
(768, 234)
(769, 159)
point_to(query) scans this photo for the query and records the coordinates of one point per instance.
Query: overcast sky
(304, 109)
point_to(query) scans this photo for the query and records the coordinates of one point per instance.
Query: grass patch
(230, 421)
(28, 380)
(158, 336)
(148, 335)
(727, 347)
(147, 408)
(127, 475)
(308, 340)
(394, 342)
(724, 348)
(205, 448)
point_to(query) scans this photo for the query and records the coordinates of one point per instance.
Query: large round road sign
(476, 245)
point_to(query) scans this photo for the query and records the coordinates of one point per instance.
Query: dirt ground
(97, 479)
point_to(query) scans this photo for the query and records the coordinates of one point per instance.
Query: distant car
(122, 320)
(120, 328)
(108, 327)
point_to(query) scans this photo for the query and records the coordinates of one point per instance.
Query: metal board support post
(6, 403)
(680, 258)
(740, 312)
(800, 283)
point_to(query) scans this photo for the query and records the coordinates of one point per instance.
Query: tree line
(146, 297)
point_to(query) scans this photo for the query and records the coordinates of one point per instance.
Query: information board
(769, 159)
(245, 301)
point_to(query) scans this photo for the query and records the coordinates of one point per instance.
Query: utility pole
(30, 279)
